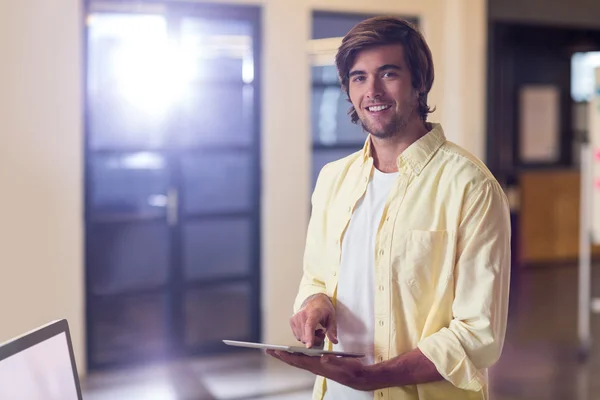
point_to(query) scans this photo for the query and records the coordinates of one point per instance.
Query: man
(407, 252)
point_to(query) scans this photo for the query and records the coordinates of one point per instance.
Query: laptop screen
(40, 372)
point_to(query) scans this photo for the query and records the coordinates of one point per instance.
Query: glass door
(172, 180)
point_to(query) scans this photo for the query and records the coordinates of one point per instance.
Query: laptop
(40, 365)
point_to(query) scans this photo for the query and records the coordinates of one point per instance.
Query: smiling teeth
(378, 108)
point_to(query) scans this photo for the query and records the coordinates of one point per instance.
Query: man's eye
(358, 79)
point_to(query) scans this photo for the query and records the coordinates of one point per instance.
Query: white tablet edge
(291, 349)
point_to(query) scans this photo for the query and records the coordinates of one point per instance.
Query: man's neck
(386, 151)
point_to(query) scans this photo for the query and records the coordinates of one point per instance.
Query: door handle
(172, 206)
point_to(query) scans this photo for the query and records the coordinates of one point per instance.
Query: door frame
(176, 285)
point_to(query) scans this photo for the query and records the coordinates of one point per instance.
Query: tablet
(292, 349)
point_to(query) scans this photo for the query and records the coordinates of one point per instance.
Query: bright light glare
(139, 160)
(149, 71)
(248, 69)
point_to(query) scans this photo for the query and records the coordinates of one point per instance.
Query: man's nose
(374, 89)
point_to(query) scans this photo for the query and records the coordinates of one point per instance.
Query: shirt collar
(418, 154)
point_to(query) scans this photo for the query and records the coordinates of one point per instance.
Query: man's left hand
(347, 371)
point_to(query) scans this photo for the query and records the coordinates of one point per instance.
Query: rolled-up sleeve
(474, 338)
(313, 281)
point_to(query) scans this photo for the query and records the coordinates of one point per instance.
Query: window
(582, 74)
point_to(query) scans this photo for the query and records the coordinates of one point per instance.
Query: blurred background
(157, 160)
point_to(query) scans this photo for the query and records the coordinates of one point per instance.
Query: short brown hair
(380, 31)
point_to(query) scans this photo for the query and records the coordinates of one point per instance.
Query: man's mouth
(378, 108)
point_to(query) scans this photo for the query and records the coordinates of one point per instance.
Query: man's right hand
(316, 310)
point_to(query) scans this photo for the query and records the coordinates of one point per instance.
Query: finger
(319, 336)
(301, 361)
(290, 359)
(309, 331)
(332, 330)
(281, 356)
(272, 354)
(329, 359)
(299, 332)
(295, 329)
(284, 356)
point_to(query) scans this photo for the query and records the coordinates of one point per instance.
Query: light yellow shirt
(442, 262)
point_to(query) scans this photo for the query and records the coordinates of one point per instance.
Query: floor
(539, 361)
(248, 375)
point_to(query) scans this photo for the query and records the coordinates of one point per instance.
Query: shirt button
(381, 288)
(381, 252)
(366, 179)
(380, 394)
(387, 219)
(349, 209)
(380, 323)
(380, 358)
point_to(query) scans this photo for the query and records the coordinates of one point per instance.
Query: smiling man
(407, 252)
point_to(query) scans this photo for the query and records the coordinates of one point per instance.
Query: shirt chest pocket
(424, 261)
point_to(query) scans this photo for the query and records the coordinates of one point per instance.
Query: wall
(580, 13)
(42, 231)
(462, 92)
(41, 242)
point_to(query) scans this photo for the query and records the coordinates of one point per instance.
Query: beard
(395, 126)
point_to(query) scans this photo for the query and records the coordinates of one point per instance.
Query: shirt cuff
(447, 354)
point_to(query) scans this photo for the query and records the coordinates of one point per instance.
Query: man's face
(380, 88)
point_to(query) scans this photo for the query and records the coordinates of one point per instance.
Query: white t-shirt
(355, 312)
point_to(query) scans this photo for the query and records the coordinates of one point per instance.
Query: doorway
(172, 183)
(531, 77)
